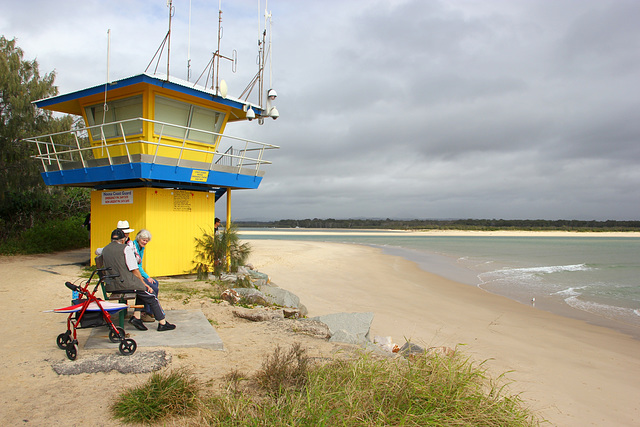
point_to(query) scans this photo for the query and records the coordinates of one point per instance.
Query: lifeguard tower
(152, 149)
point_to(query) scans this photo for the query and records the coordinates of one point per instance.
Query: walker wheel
(72, 351)
(62, 341)
(128, 347)
(116, 336)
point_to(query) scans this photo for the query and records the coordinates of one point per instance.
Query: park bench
(119, 296)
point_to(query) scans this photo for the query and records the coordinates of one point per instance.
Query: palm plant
(220, 252)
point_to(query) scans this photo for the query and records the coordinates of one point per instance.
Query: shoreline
(447, 233)
(446, 267)
(548, 303)
(571, 372)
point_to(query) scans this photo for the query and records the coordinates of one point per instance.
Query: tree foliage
(24, 199)
(212, 249)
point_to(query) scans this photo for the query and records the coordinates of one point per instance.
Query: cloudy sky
(401, 109)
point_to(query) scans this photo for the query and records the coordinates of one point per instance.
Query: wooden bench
(120, 296)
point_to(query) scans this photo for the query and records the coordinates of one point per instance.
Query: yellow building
(154, 152)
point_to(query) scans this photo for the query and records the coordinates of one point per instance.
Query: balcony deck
(69, 159)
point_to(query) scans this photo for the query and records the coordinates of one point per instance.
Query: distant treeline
(453, 224)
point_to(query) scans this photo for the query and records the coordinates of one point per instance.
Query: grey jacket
(113, 256)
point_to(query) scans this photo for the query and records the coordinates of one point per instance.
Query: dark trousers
(146, 298)
(155, 286)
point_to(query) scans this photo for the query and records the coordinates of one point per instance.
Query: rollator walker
(90, 312)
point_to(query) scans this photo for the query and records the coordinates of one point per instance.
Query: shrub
(211, 252)
(284, 371)
(48, 236)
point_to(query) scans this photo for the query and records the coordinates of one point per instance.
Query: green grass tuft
(174, 393)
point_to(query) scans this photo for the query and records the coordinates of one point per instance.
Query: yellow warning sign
(199, 176)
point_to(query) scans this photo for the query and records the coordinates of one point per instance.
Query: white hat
(124, 226)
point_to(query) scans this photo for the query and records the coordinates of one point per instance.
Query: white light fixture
(273, 113)
(271, 94)
(251, 114)
(223, 89)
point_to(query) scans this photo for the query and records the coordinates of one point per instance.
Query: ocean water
(593, 278)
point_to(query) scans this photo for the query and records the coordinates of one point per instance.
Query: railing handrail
(142, 119)
(57, 152)
(139, 141)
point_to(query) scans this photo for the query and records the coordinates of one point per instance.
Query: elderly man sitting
(122, 260)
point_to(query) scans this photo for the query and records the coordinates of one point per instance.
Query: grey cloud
(431, 109)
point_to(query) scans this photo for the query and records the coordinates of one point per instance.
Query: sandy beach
(569, 371)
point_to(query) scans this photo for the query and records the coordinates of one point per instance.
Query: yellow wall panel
(174, 218)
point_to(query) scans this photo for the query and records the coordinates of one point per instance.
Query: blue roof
(173, 83)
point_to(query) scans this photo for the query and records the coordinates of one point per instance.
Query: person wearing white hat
(124, 226)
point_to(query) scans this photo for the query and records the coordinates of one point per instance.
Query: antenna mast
(189, 46)
(167, 41)
(171, 10)
(105, 107)
(217, 55)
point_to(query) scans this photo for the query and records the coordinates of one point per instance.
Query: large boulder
(251, 296)
(350, 328)
(259, 279)
(310, 327)
(279, 296)
(258, 315)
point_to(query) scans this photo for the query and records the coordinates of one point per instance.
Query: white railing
(72, 149)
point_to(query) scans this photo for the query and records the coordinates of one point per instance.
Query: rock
(228, 277)
(256, 299)
(352, 327)
(346, 337)
(260, 282)
(257, 275)
(137, 363)
(411, 349)
(386, 344)
(313, 328)
(251, 296)
(258, 315)
(258, 279)
(279, 296)
(243, 270)
(303, 310)
(291, 313)
(231, 296)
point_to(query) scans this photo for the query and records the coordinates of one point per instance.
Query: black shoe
(137, 323)
(166, 327)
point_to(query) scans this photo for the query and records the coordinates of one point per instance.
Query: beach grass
(291, 389)
(173, 393)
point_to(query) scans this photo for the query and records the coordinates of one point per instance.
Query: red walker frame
(68, 340)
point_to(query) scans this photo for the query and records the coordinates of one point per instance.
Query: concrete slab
(192, 330)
